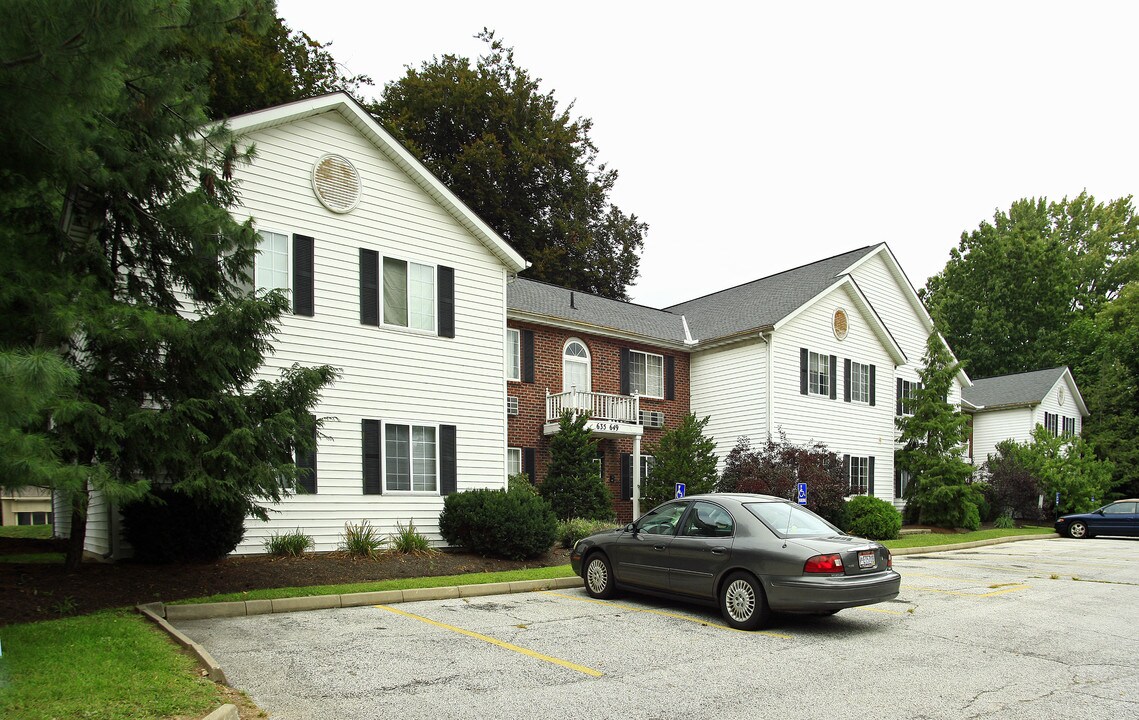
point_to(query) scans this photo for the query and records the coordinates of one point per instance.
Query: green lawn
(47, 558)
(109, 665)
(932, 539)
(38, 532)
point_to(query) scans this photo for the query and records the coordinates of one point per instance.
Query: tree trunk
(78, 530)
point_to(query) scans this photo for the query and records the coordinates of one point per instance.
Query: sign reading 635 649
(599, 426)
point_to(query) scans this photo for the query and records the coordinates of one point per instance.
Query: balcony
(609, 415)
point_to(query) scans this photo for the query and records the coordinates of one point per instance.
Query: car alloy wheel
(1078, 530)
(598, 577)
(742, 602)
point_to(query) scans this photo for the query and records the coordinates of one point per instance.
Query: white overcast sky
(755, 137)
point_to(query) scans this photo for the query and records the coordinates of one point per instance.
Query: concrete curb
(967, 545)
(225, 712)
(153, 611)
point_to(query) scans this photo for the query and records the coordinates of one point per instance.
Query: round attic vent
(336, 183)
(1061, 397)
(839, 324)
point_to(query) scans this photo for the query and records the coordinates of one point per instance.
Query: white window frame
(587, 361)
(384, 458)
(858, 479)
(407, 295)
(819, 380)
(645, 390)
(513, 354)
(511, 453)
(859, 383)
(909, 387)
(263, 253)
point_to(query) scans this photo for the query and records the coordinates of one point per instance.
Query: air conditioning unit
(511, 405)
(652, 418)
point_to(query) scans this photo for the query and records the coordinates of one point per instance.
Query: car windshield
(788, 520)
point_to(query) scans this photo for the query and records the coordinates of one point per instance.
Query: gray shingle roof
(1017, 389)
(552, 301)
(764, 302)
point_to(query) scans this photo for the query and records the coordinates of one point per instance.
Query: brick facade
(525, 429)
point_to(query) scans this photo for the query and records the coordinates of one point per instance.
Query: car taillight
(824, 564)
(889, 560)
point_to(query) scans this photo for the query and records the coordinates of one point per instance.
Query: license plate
(867, 559)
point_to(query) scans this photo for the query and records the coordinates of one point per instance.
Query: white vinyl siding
(729, 386)
(646, 374)
(991, 427)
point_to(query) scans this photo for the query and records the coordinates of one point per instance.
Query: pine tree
(683, 455)
(121, 258)
(573, 486)
(933, 440)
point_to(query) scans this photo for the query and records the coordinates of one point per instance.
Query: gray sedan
(750, 554)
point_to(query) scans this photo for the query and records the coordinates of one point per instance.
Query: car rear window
(787, 520)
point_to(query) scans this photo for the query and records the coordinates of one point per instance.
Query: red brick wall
(525, 429)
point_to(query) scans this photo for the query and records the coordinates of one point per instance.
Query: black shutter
(303, 276)
(306, 467)
(870, 474)
(627, 476)
(897, 482)
(846, 379)
(527, 356)
(669, 377)
(846, 471)
(802, 371)
(530, 464)
(626, 356)
(873, 382)
(834, 377)
(369, 287)
(446, 280)
(373, 484)
(898, 409)
(448, 460)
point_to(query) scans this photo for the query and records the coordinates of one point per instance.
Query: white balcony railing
(600, 406)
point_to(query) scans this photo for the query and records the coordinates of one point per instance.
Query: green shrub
(515, 524)
(362, 539)
(290, 544)
(409, 540)
(872, 518)
(1004, 521)
(521, 482)
(170, 526)
(574, 529)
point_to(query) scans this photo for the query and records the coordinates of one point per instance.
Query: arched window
(575, 366)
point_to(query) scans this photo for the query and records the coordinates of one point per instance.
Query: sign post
(802, 493)
(679, 490)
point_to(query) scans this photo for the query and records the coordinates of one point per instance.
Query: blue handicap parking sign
(680, 490)
(803, 493)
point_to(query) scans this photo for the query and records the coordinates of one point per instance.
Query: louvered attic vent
(652, 418)
(336, 183)
(511, 405)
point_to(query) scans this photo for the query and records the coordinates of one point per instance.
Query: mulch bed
(30, 592)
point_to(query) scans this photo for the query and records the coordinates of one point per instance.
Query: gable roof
(541, 302)
(1020, 389)
(760, 304)
(358, 117)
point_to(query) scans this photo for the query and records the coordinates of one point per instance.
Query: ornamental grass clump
(362, 539)
(409, 540)
(290, 544)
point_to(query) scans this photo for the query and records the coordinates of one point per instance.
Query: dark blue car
(1117, 518)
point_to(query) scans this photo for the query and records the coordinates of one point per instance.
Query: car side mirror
(1099, 512)
(631, 528)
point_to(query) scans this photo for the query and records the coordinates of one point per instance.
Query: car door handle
(719, 550)
(659, 547)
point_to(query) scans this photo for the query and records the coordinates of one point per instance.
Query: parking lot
(1035, 629)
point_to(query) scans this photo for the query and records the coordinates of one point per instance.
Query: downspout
(770, 391)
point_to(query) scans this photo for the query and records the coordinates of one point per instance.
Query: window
(1120, 508)
(647, 463)
(575, 367)
(513, 354)
(1069, 426)
(859, 382)
(410, 458)
(663, 520)
(907, 396)
(859, 475)
(646, 374)
(409, 294)
(33, 518)
(901, 481)
(708, 520)
(271, 268)
(818, 374)
(1052, 423)
(513, 461)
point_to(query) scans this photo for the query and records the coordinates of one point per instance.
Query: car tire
(742, 602)
(598, 577)
(1078, 530)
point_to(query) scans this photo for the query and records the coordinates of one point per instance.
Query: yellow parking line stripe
(664, 613)
(505, 645)
(1005, 590)
(968, 594)
(879, 610)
